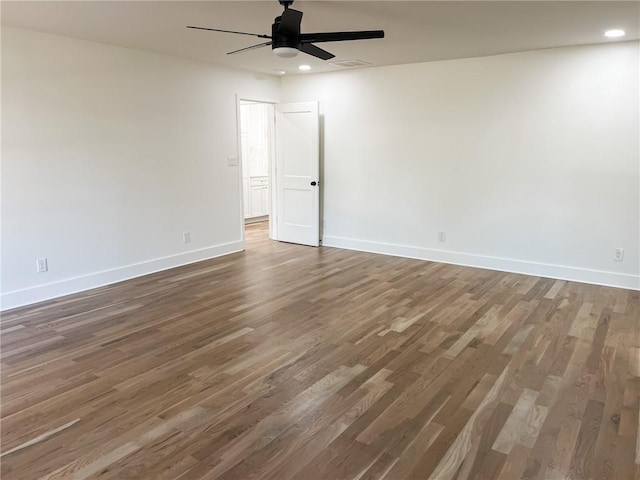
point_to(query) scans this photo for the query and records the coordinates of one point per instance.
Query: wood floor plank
(523, 425)
(286, 361)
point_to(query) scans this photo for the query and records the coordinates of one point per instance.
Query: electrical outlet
(186, 237)
(41, 265)
(619, 254)
(442, 236)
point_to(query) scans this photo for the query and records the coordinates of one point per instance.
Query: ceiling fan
(286, 40)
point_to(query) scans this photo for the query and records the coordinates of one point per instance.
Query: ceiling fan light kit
(287, 41)
(285, 52)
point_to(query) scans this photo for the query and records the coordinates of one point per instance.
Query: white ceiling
(416, 31)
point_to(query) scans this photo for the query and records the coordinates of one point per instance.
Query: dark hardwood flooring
(293, 362)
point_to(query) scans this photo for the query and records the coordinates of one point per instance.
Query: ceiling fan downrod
(286, 3)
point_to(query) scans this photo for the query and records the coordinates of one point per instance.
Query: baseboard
(28, 296)
(249, 221)
(596, 277)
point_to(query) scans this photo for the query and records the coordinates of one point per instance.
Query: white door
(298, 173)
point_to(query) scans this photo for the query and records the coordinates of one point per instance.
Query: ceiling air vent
(350, 63)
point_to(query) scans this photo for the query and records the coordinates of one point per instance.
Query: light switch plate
(232, 160)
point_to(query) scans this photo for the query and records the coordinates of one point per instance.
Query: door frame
(273, 229)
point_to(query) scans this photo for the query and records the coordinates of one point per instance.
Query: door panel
(297, 165)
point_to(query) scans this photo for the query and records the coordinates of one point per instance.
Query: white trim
(261, 218)
(583, 275)
(27, 296)
(240, 160)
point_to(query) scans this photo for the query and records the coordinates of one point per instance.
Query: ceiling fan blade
(252, 47)
(340, 36)
(290, 22)
(315, 51)
(228, 31)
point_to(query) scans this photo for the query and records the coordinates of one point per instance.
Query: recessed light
(614, 33)
(304, 68)
(280, 72)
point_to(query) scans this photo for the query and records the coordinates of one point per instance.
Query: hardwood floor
(293, 362)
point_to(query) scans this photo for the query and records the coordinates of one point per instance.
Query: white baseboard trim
(39, 293)
(582, 275)
(250, 220)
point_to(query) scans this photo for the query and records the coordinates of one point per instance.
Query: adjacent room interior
(408, 254)
(257, 142)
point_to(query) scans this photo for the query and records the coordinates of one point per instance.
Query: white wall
(528, 161)
(108, 155)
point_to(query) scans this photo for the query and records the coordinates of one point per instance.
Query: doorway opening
(257, 147)
(280, 169)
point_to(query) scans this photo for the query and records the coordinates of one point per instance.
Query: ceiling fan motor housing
(279, 39)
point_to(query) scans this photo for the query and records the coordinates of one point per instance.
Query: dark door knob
(313, 184)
